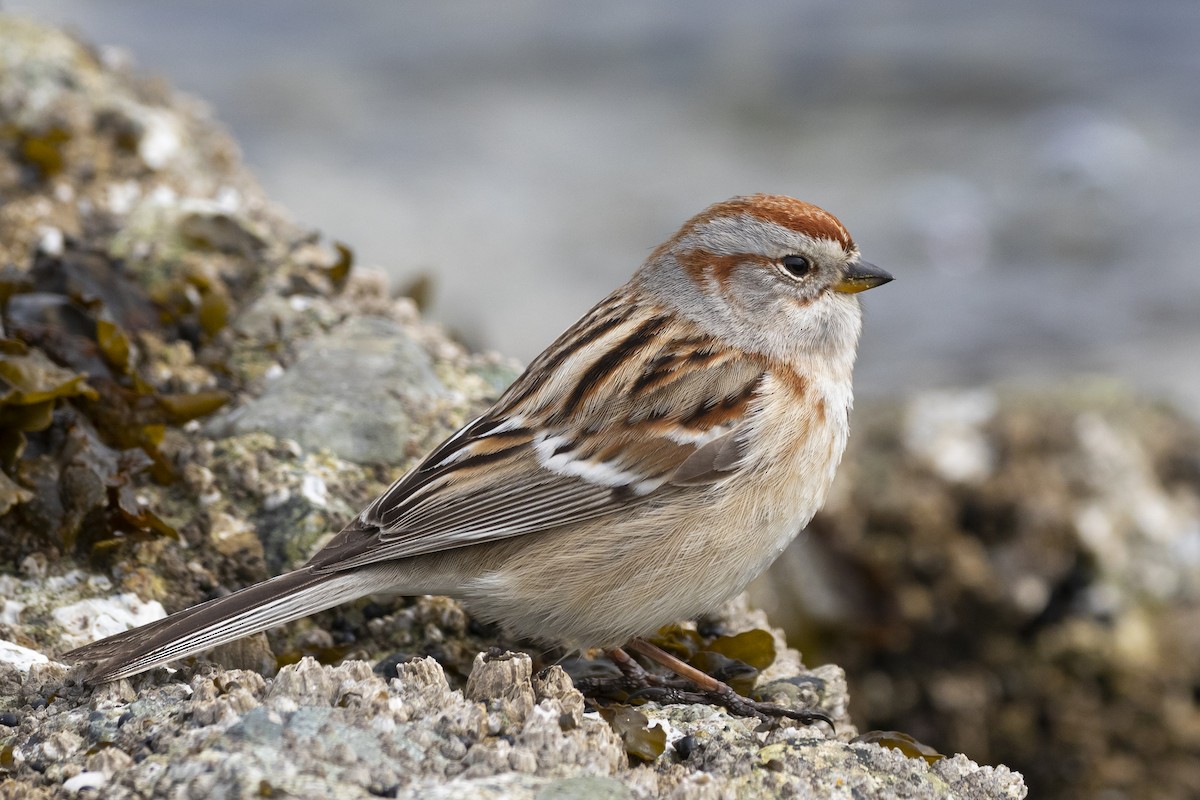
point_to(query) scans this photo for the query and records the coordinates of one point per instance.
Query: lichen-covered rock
(357, 391)
(1016, 576)
(344, 732)
(171, 288)
(81, 133)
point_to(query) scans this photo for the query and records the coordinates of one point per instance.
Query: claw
(768, 712)
(637, 684)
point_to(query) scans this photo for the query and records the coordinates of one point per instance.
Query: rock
(89, 130)
(94, 618)
(342, 732)
(502, 682)
(85, 780)
(1015, 576)
(353, 391)
(21, 658)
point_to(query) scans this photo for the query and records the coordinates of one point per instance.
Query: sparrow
(645, 467)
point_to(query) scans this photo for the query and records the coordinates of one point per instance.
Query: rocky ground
(195, 390)
(1016, 575)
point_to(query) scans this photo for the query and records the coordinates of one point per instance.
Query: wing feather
(661, 418)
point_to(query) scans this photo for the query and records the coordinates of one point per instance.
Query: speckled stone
(343, 732)
(352, 391)
(1015, 575)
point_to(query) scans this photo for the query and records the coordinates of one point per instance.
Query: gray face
(763, 286)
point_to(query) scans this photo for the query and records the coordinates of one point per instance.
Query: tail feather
(282, 599)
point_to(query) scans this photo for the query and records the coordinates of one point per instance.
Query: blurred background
(1027, 170)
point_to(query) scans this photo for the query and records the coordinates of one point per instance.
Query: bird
(643, 469)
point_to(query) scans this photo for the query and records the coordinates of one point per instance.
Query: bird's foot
(733, 702)
(635, 683)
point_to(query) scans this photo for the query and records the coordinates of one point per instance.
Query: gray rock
(353, 391)
(343, 732)
(1016, 575)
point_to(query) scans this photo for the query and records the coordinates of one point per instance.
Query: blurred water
(1028, 170)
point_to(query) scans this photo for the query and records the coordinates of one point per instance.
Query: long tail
(282, 599)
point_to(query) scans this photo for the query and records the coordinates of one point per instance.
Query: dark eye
(797, 266)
